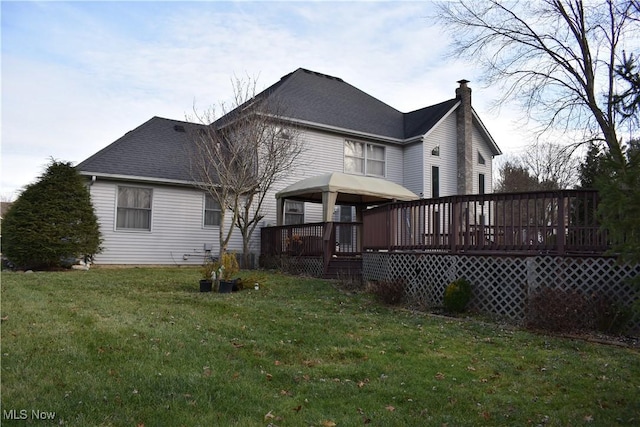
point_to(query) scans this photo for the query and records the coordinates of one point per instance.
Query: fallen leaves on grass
(328, 423)
(439, 376)
(390, 408)
(363, 382)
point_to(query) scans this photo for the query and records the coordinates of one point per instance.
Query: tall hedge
(52, 221)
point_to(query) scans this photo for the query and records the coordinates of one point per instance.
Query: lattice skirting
(311, 266)
(502, 286)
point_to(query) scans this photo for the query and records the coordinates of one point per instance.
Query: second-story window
(364, 159)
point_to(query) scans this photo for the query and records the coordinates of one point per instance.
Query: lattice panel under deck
(502, 285)
(588, 275)
(311, 266)
(432, 275)
(375, 266)
(499, 284)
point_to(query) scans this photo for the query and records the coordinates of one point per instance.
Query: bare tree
(557, 57)
(553, 165)
(514, 177)
(541, 166)
(238, 156)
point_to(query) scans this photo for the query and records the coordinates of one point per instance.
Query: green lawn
(130, 347)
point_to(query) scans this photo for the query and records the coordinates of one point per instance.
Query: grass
(131, 347)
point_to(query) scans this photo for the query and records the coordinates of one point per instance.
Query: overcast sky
(78, 75)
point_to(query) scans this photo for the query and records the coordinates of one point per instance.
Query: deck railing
(313, 239)
(555, 222)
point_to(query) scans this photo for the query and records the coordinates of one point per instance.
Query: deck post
(454, 230)
(328, 245)
(560, 234)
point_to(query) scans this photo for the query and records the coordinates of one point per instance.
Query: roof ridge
(320, 74)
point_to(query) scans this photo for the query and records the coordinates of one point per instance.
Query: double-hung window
(134, 208)
(363, 158)
(293, 212)
(211, 211)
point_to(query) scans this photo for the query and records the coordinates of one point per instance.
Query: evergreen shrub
(52, 223)
(457, 295)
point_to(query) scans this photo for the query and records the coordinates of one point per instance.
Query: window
(293, 212)
(133, 208)
(481, 183)
(436, 151)
(211, 211)
(345, 236)
(364, 159)
(481, 160)
(435, 181)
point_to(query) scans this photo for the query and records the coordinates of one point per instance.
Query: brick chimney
(464, 126)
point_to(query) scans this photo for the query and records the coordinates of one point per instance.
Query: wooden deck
(560, 222)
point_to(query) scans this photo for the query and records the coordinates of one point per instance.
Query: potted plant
(227, 268)
(207, 270)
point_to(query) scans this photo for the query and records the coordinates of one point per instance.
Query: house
(151, 213)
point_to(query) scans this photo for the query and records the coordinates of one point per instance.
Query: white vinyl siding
(481, 148)
(176, 229)
(444, 137)
(395, 164)
(414, 169)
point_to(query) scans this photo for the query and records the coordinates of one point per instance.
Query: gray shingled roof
(156, 150)
(326, 100)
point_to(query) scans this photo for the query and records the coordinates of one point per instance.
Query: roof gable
(419, 122)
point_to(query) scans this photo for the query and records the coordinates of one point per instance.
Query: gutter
(117, 177)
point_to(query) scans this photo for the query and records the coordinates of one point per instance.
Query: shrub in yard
(52, 222)
(389, 292)
(457, 295)
(557, 310)
(610, 317)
